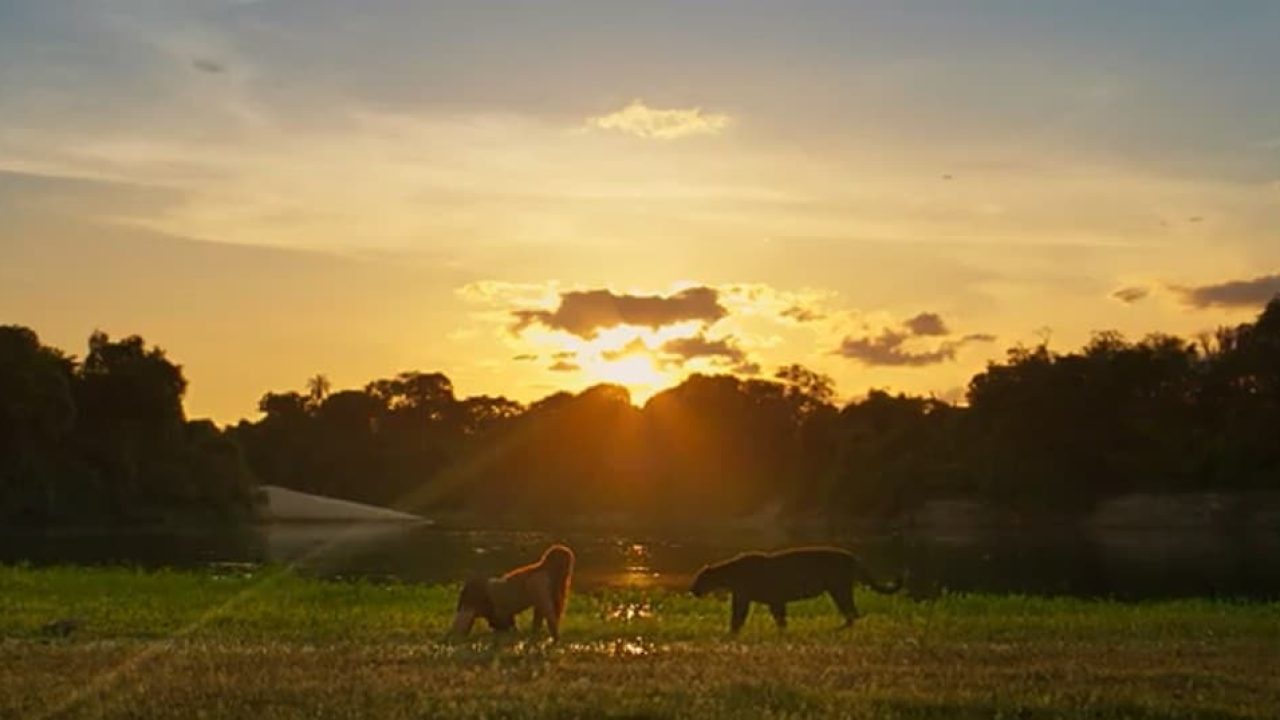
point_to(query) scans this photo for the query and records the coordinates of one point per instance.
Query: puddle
(630, 647)
(629, 611)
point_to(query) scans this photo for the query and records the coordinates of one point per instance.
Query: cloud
(525, 357)
(802, 314)
(606, 319)
(564, 366)
(208, 66)
(889, 348)
(927, 324)
(643, 121)
(688, 348)
(724, 352)
(635, 347)
(499, 293)
(1130, 295)
(1234, 293)
(886, 349)
(585, 312)
(789, 307)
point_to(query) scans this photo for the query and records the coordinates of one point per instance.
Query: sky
(533, 197)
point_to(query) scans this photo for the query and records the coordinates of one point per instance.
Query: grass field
(271, 644)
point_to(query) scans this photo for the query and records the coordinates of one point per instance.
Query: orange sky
(532, 197)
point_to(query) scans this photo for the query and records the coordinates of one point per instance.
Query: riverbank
(270, 644)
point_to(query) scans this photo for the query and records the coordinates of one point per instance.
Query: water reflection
(628, 611)
(636, 571)
(1123, 564)
(616, 648)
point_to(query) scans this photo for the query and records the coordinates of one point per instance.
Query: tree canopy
(107, 437)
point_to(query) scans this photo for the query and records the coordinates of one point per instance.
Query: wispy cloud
(635, 347)
(1130, 295)
(661, 124)
(802, 314)
(771, 303)
(208, 66)
(890, 348)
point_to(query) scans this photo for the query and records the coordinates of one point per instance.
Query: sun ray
(639, 373)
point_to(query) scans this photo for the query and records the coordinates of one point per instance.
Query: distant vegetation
(106, 438)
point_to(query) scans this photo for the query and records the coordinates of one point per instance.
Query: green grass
(271, 644)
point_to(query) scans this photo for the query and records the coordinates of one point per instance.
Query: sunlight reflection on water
(628, 611)
(616, 648)
(637, 569)
(494, 649)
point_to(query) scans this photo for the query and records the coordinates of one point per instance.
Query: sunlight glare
(636, 372)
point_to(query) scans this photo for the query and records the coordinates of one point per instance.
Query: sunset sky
(539, 196)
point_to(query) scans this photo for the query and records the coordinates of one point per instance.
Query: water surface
(1129, 565)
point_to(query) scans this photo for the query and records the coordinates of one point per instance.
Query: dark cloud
(886, 349)
(563, 355)
(724, 352)
(927, 324)
(700, 346)
(525, 357)
(1130, 295)
(564, 366)
(802, 314)
(889, 347)
(584, 313)
(1235, 293)
(209, 66)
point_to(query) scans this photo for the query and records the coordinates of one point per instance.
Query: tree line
(106, 439)
(1041, 429)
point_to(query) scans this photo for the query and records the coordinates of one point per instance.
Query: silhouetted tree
(892, 451)
(1040, 430)
(318, 387)
(107, 440)
(37, 413)
(1240, 399)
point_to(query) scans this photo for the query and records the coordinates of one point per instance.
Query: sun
(636, 372)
